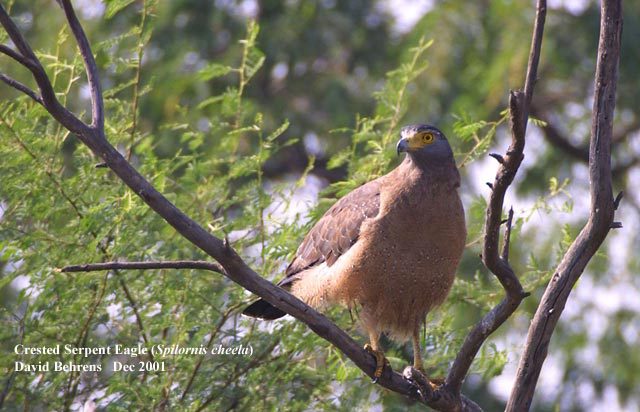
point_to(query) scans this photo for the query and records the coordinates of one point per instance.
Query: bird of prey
(390, 247)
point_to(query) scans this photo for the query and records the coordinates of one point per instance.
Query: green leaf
(255, 59)
(537, 122)
(114, 6)
(339, 159)
(213, 71)
(209, 101)
(276, 133)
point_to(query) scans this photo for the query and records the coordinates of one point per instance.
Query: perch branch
(601, 215)
(519, 103)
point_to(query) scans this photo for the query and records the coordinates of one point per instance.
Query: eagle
(389, 248)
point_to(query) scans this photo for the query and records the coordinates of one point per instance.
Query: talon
(381, 362)
(435, 383)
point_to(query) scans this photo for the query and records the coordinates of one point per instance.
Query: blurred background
(254, 129)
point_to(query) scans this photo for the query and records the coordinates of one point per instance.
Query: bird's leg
(417, 356)
(417, 360)
(374, 349)
(416, 374)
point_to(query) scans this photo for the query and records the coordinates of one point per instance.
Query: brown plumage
(390, 247)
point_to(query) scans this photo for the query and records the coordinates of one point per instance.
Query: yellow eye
(427, 137)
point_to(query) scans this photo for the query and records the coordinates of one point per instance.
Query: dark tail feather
(263, 310)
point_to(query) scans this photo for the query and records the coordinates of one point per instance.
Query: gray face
(424, 143)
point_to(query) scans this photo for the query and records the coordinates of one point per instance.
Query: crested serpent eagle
(390, 247)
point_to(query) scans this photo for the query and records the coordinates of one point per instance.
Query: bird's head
(424, 142)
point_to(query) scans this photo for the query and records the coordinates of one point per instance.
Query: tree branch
(20, 87)
(175, 264)
(4, 49)
(600, 219)
(97, 105)
(31, 62)
(557, 138)
(507, 236)
(519, 103)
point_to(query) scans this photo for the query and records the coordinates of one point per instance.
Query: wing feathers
(338, 229)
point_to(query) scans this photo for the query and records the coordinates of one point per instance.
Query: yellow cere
(419, 140)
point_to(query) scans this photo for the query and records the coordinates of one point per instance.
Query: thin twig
(172, 264)
(507, 236)
(212, 336)
(134, 305)
(49, 174)
(136, 83)
(20, 87)
(4, 49)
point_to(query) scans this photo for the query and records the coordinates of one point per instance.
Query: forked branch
(601, 215)
(519, 103)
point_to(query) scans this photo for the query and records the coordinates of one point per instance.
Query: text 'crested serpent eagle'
(390, 247)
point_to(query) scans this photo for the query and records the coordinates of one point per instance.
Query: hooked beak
(403, 145)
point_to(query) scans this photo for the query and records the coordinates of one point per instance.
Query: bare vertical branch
(519, 103)
(534, 55)
(600, 219)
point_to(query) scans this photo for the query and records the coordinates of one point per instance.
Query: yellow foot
(381, 361)
(435, 383)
